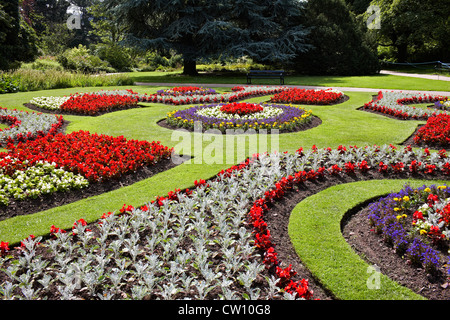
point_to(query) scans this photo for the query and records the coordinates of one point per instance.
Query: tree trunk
(402, 52)
(190, 67)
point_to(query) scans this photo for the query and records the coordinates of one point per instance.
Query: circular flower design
(234, 116)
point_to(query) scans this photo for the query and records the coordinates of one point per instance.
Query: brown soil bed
(315, 121)
(354, 227)
(342, 100)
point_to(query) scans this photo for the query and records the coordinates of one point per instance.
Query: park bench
(265, 74)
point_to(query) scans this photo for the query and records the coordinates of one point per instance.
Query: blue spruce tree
(267, 31)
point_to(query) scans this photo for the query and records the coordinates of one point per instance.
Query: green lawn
(342, 124)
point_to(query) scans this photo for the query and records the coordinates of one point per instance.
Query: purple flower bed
(280, 117)
(394, 217)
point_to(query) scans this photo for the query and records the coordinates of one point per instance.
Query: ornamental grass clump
(396, 104)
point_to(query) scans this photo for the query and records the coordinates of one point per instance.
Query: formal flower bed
(238, 93)
(396, 104)
(416, 223)
(304, 96)
(91, 103)
(233, 116)
(95, 103)
(25, 125)
(241, 109)
(96, 157)
(49, 103)
(442, 104)
(40, 178)
(186, 91)
(436, 132)
(182, 245)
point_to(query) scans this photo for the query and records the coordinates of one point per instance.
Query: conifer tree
(266, 31)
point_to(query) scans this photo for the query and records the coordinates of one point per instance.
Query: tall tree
(340, 43)
(267, 31)
(17, 40)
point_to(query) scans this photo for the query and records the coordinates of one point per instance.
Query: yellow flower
(427, 190)
(423, 231)
(442, 187)
(405, 198)
(396, 199)
(397, 209)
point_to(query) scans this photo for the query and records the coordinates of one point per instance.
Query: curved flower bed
(169, 247)
(90, 103)
(304, 96)
(186, 91)
(27, 125)
(396, 104)
(416, 223)
(280, 117)
(40, 178)
(442, 104)
(96, 157)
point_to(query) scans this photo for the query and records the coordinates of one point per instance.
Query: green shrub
(116, 56)
(32, 80)
(80, 59)
(8, 83)
(46, 64)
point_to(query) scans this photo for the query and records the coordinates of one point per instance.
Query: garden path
(416, 75)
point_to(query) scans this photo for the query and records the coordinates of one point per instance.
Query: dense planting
(304, 96)
(241, 109)
(435, 132)
(186, 91)
(238, 93)
(154, 238)
(182, 246)
(40, 178)
(25, 125)
(396, 104)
